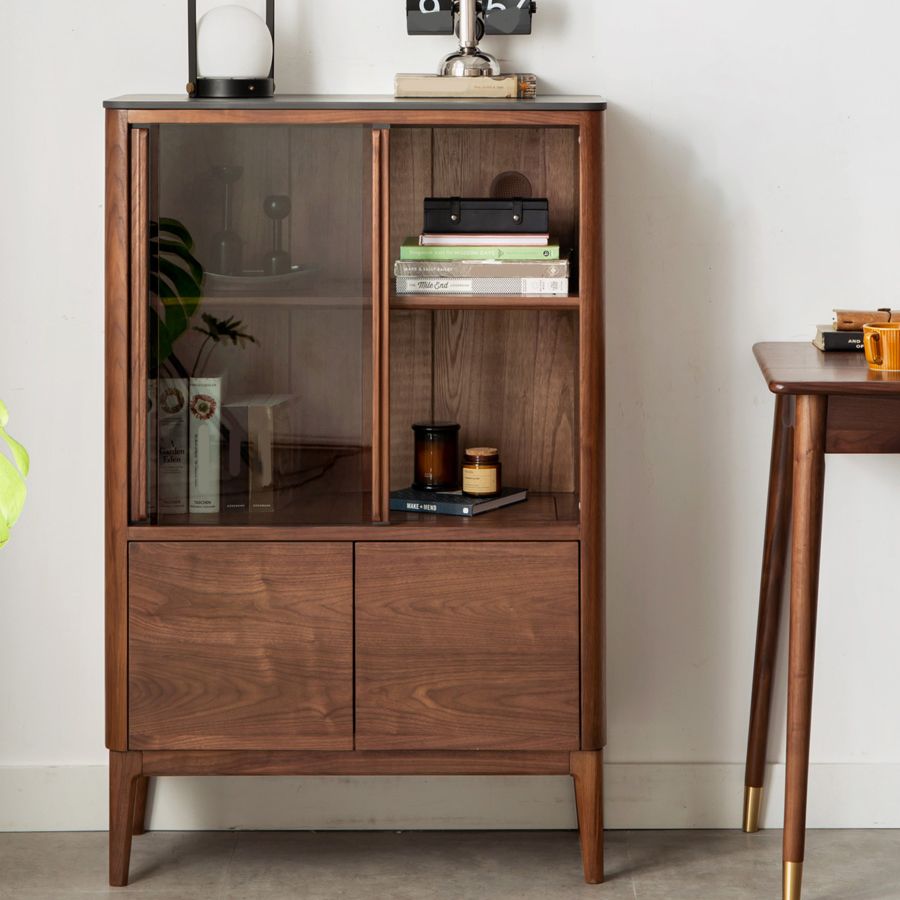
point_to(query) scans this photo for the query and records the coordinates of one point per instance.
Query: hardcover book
(484, 286)
(498, 87)
(485, 268)
(411, 249)
(829, 339)
(172, 435)
(484, 240)
(453, 503)
(205, 411)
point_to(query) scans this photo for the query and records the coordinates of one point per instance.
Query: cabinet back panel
(240, 646)
(510, 378)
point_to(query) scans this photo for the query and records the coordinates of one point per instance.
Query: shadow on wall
(672, 437)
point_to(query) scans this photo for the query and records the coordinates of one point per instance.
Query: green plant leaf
(19, 453)
(195, 270)
(12, 492)
(173, 227)
(4, 414)
(4, 532)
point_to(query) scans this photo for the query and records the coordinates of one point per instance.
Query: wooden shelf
(541, 517)
(493, 301)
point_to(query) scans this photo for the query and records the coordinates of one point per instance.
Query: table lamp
(231, 53)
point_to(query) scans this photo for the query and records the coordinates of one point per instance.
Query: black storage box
(461, 215)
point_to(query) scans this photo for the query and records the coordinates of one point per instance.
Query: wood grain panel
(410, 183)
(116, 426)
(411, 388)
(523, 115)
(466, 161)
(799, 368)
(591, 436)
(140, 251)
(414, 762)
(509, 379)
(863, 425)
(468, 646)
(241, 647)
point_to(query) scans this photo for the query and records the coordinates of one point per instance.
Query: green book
(410, 249)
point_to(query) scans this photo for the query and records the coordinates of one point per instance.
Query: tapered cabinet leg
(587, 772)
(775, 544)
(809, 480)
(140, 805)
(124, 774)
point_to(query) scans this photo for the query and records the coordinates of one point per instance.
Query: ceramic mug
(882, 343)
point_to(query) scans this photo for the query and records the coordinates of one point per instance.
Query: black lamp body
(227, 88)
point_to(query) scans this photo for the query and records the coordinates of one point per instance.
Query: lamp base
(231, 88)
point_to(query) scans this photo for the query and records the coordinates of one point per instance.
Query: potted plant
(12, 478)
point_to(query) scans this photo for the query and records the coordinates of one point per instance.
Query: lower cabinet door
(465, 646)
(240, 646)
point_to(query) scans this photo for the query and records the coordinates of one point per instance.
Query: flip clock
(470, 20)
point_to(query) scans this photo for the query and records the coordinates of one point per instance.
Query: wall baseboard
(638, 795)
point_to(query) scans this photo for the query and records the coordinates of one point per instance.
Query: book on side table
(453, 503)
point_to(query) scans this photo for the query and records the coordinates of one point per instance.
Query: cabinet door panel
(240, 646)
(467, 646)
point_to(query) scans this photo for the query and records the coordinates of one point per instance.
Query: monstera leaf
(179, 288)
(12, 478)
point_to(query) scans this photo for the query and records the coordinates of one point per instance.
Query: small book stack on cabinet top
(483, 246)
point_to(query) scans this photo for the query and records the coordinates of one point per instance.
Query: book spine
(418, 253)
(172, 446)
(206, 423)
(500, 87)
(843, 340)
(424, 506)
(484, 286)
(484, 269)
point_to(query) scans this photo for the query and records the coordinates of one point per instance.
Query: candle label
(479, 481)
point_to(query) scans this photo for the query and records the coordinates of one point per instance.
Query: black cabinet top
(351, 101)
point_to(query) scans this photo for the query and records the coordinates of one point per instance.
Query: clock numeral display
(508, 16)
(429, 16)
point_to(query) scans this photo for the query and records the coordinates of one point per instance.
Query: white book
(172, 446)
(484, 286)
(205, 436)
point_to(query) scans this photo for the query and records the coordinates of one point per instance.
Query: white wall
(753, 184)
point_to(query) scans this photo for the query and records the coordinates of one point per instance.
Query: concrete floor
(640, 865)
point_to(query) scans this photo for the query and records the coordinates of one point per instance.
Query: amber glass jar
(481, 472)
(437, 456)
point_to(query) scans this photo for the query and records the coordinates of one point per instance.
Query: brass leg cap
(793, 876)
(752, 799)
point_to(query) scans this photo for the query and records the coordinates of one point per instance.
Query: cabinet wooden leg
(778, 520)
(586, 768)
(140, 805)
(809, 481)
(124, 774)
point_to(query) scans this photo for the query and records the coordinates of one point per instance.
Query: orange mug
(882, 343)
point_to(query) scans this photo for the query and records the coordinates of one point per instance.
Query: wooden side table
(824, 403)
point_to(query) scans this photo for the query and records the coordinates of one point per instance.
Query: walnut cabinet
(266, 612)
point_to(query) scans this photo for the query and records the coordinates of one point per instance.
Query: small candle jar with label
(481, 472)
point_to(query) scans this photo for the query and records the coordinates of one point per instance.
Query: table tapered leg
(586, 768)
(124, 774)
(809, 481)
(140, 805)
(778, 520)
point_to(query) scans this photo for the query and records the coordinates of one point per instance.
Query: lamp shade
(233, 42)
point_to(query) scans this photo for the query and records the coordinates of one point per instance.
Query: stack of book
(485, 262)
(846, 332)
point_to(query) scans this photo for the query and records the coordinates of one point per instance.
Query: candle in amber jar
(437, 456)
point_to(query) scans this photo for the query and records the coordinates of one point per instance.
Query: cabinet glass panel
(260, 342)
